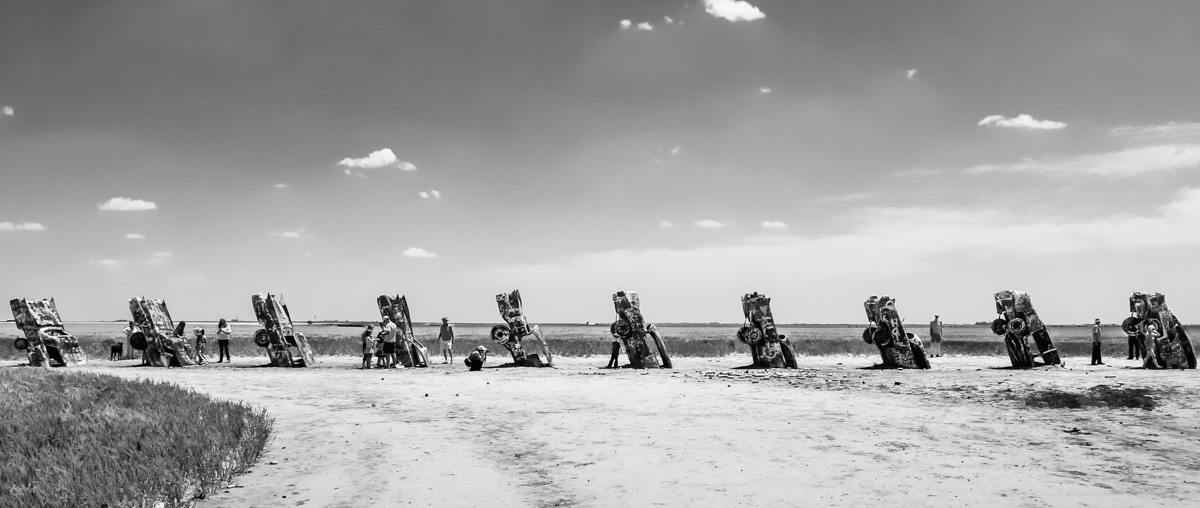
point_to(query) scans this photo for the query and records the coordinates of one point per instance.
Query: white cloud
(1022, 121)
(917, 172)
(667, 224)
(733, 10)
(377, 159)
(774, 225)
(910, 74)
(764, 90)
(127, 205)
(625, 24)
(845, 198)
(435, 194)
(668, 20)
(417, 252)
(111, 264)
(8, 111)
(135, 236)
(158, 257)
(1172, 131)
(295, 233)
(423, 194)
(645, 26)
(1120, 164)
(710, 224)
(283, 185)
(24, 226)
(676, 150)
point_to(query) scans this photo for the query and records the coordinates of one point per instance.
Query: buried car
(410, 351)
(161, 342)
(1016, 323)
(768, 347)
(277, 336)
(45, 338)
(1167, 343)
(517, 327)
(631, 328)
(900, 349)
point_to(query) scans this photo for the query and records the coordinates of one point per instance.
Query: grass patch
(83, 439)
(1097, 396)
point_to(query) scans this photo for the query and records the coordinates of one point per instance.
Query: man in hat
(475, 361)
(446, 337)
(935, 336)
(1096, 343)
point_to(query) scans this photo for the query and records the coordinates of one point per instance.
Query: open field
(835, 432)
(580, 340)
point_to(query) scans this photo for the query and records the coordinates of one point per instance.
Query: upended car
(632, 330)
(161, 342)
(1017, 322)
(283, 344)
(885, 329)
(768, 347)
(410, 350)
(515, 328)
(1167, 343)
(45, 339)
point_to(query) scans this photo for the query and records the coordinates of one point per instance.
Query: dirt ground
(833, 433)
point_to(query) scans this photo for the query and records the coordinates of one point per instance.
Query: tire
(754, 336)
(883, 338)
(138, 341)
(21, 344)
(742, 332)
(919, 357)
(868, 335)
(1018, 327)
(999, 326)
(1130, 325)
(501, 334)
(621, 328)
(262, 338)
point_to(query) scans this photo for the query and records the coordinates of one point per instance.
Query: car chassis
(768, 348)
(277, 335)
(1167, 343)
(631, 328)
(1016, 323)
(899, 349)
(45, 338)
(517, 327)
(161, 344)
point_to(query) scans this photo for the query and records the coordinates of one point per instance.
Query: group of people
(224, 332)
(1137, 348)
(383, 346)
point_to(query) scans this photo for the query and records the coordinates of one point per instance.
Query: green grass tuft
(83, 439)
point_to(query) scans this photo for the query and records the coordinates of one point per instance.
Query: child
(368, 347)
(201, 340)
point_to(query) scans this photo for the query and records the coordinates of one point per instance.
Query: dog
(116, 351)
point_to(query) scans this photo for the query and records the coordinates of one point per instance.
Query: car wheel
(262, 338)
(21, 344)
(138, 341)
(999, 326)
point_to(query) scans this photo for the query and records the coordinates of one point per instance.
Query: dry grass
(82, 439)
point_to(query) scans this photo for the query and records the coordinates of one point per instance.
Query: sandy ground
(833, 433)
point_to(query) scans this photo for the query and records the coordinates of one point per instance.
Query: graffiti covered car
(410, 351)
(162, 343)
(768, 348)
(1167, 343)
(515, 328)
(631, 328)
(899, 349)
(283, 345)
(45, 339)
(1017, 322)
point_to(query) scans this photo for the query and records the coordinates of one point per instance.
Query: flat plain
(836, 432)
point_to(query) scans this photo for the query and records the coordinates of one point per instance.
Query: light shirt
(1095, 334)
(223, 333)
(390, 330)
(128, 332)
(368, 343)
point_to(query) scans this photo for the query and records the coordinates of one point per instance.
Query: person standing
(1135, 352)
(614, 361)
(201, 341)
(389, 342)
(128, 344)
(446, 337)
(224, 331)
(1096, 343)
(935, 336)
(475, 361)
(368, 346)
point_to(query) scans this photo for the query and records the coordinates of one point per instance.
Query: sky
(816, 151)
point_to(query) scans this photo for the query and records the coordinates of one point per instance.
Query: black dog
(116, 351)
